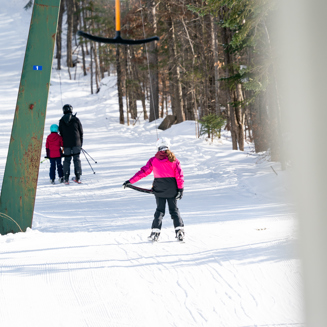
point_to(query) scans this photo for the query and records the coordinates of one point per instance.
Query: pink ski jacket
(168, 176)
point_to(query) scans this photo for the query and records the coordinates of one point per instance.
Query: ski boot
(155, 233)
(52, 181)
(61, 179)
(180, 234)
(77, 179)
(66, 178)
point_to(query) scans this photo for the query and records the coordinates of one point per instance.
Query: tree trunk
(119, 86)
(193, 114)
(83, 58)
(84, 15)
(76, 64)
(70, 13)
(233, 127)
(96, 45)
(153, 62)
(76, 18)
(239, 115)
(214, 45)
(176, 75)
(198, 53)
(59, 34)
(145, 114)
(259, 124)
(204, 68)
(232, 115)
(228, 122)
(138, 86)
(97, 74)
(91, 66)
(163, 83)
(132, 84)
(127, 104)
(82, 40)
(101, 61)
(174, 103)
(172, 95)
(166, 102)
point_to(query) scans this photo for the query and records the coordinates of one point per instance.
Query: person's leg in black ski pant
(77, 161)
(160, 212)
(59, 167)
(67, 160)
(52, 172)
(174, 213)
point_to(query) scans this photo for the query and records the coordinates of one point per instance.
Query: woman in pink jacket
(167, 186)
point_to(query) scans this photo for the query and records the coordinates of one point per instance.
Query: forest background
(215, 63)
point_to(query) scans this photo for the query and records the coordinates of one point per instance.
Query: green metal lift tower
(22, 168)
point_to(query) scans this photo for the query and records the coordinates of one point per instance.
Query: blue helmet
(54, 128)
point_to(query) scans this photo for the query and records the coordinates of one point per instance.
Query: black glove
(126, 183)
(48, 153)
(179, 194)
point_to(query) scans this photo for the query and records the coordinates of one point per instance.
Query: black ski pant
(53, 163)
(74, 153)
(160, 212)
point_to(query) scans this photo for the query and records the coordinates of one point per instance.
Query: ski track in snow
(87, 261)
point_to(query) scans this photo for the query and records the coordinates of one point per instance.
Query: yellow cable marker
(117, 15)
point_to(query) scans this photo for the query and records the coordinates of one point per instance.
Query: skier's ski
(76, 181)
(153, 238)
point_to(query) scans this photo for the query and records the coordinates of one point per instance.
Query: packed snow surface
(87, 261)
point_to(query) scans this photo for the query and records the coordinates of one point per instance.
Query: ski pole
(89, 163)
(88, 155)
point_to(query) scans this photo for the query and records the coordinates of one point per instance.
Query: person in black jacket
(71, 130)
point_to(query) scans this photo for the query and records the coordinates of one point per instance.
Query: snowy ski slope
(87, 261)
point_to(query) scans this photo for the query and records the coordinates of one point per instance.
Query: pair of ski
(155, 239)
(74, 180)
(60, 180)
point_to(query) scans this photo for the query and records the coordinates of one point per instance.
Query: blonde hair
(171, 156)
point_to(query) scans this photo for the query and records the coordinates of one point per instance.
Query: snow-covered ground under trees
(87, 261)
